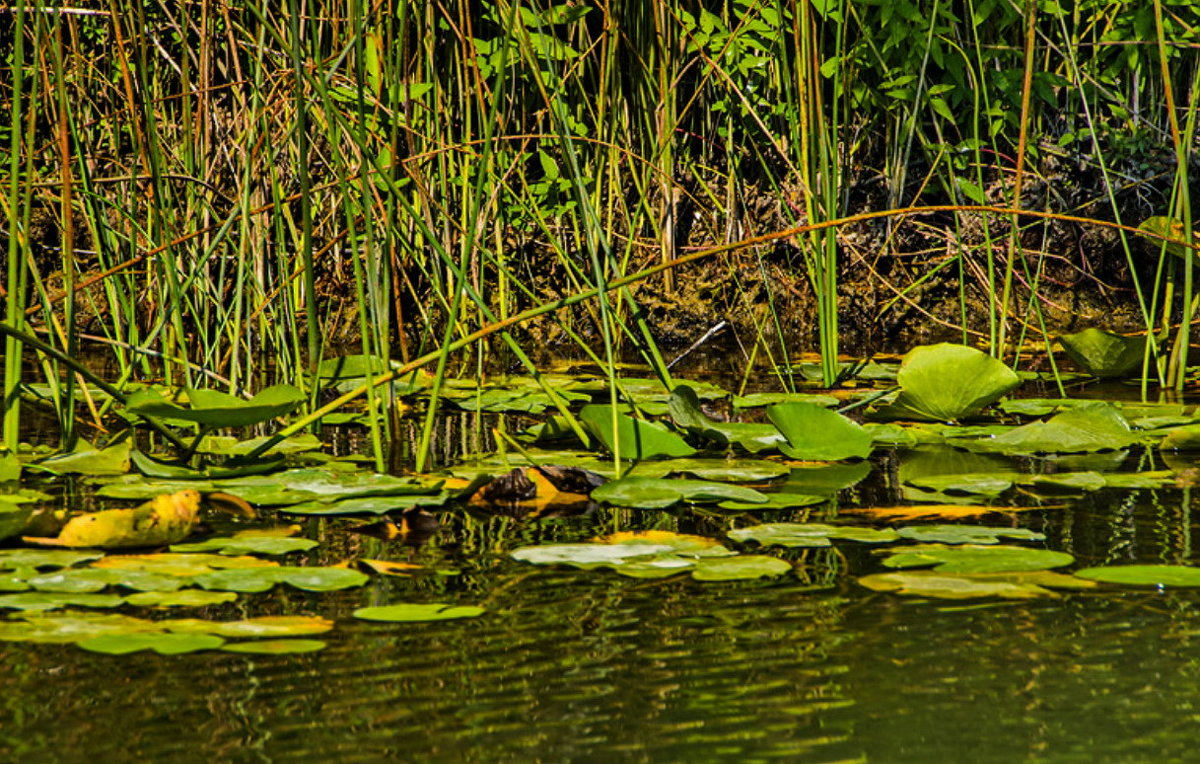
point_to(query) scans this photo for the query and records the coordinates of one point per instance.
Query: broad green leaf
(1143, 575)
(825, 480)
(740, 568)
(212, 408)
(54, 601)
(777, 500)
(809, 534)
(1013, 585)
(637, 439)
(1104, 354)
(948, 382)
(657, 493)
(1175, 235)
(12, 559)
(182, 598)
(352, 366)
(1096, 427)
(13, 518)
(88, 460)
(97, 579)
(815, 433)
(754, 400)
(301, 485)
(978, 559)
(248, 545)
(720, 470)
(263, 579)
(163, 644)
(71, 626)
(275, 646)
(967, 534)
(153, 468)
(367, 505)
(408, 612)
(685, 411)
(180, 564)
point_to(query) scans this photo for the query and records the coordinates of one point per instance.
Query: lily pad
(88, 460)
(1095, 427)
(368, 505)
(1014, 585)
(275, 646)
(180, 564)
(967, 534)
(658, 493)
(1143, 575)
(262, 579)
(740, 568)
(637, 439)
(775, 500)
(1105, 354)
(212, 408)
(721, 470)
(13, 559)
(685, 410)
(240, 545)
(265, 626)
(810, 534)
(815, 433)
(54, 601)
(70, 626)
(182, 598)
(409, 612)
(825, 480)
(163, 644)
(978, 559)
(947, 382)
(97, 579)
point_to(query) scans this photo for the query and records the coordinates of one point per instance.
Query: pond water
(570, 665)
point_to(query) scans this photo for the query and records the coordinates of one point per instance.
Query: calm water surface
(589, 666)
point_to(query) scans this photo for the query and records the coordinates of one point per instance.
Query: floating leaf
(164, 520)
(815, 433)
(932, 511)
(10, 467)
(1104, 354)
(721, 470)
(408, 612)
(753, 400)
(97, 579)
(212, 408)
(70, 626)
(809, 534)
(163, 644)
(182, 598)
(637, 439)
(262, 579)
(947, 382)
(12, 559)
(88, 460)
(680, 543)
(978, 559)
(777, 500)
(740, 568)
(53, 601)
(825, 480)
(685, 410)
(1013, 585)
(265, 626)
(1095, 427)
(967, 534)
(248, 545)
(658, 493)
(275, 646)
(180, 564)
(367, 505)
(1143, 575)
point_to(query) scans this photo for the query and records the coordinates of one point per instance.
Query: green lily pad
(947, 382)
(815, 433)
(302, 485)
(154, 468)
(367, 505)
(658, 493)
(76, 580)
(1012, 585)
(776, 500)
(275, 646)
(70, 626)
(180, 564)
(13, 518)
(1095, 427)
(978, 559)
(212, 408)
(1143, 575)
(12, 559)
(740, 568)
(352, 366)
(220, 445)
(263, 579)
(54, 601)
(409, 612)
(1186, 438)
(825, 480)
(88, 460)
(967, 534)
(1105, 354)
(182, 598)
(754, 400)
(810, 534)
(637, 439)
(163, 644)
(265, 626)
(720, 470)
(10, 467)
(684, 405)
(240, 545)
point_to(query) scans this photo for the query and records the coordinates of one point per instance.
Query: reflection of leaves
(212, 408)
(263, 579)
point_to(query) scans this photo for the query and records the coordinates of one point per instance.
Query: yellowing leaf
(655, 537)
(278, 531)
(389, 568)
(933, 511)
(164, 519)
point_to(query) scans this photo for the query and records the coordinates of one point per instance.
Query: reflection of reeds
(234, 188)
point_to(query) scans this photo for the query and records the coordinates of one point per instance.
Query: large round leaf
(213, 408)
(1144, 575)
(947, 382)
(815, 433)
(1104, 354)
(636, 439)
(407, 612)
